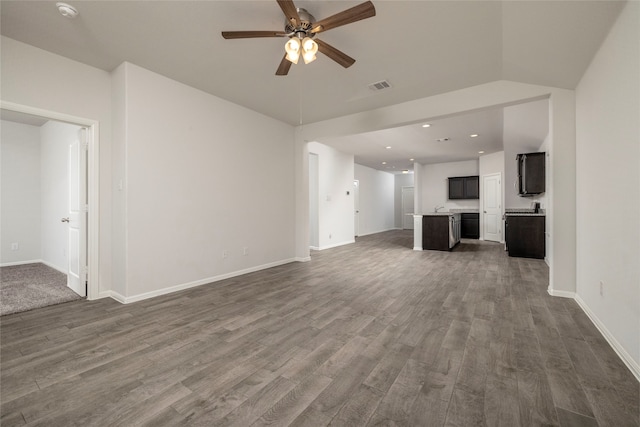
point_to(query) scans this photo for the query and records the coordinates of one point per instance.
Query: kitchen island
(436, 231)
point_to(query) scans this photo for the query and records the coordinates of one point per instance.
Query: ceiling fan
(301, 28)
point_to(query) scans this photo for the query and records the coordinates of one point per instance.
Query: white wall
(435, 185)
(20, 179)
(376, 200)
(314, 200)
(336, 170)
(491, 164)
(608, 185)
(400, 180)
(36, 78)
(55, 138)
(182, 211)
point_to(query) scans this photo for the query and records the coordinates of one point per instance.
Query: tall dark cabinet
(531, 173)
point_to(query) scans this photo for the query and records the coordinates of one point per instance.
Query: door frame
(93, 185)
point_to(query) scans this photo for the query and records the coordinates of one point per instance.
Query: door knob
(65, 220)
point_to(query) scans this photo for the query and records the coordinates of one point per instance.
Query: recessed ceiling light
(480, 152)
(67, 10)
(473, 135)
(426, 125)
(411, 160)
(384, 163)
(405, 171)
(388, 147)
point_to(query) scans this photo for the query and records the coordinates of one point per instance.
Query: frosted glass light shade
(309, 49)
(292, 47)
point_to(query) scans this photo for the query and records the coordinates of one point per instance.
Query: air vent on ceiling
(381, 85)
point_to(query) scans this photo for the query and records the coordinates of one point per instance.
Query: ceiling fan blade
(283, 68)
(362, 11)
(340, 57)
(251, 34)
(290, 11)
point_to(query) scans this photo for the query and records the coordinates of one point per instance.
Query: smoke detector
(67, 10)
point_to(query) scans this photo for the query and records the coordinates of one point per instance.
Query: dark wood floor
(367, 334)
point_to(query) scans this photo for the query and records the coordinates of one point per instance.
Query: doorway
(407, 208)
(82, 258)
(492, 207)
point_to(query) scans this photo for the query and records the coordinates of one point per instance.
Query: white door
(492, 207)
(76, 277)
(407, 208)
(356, 207)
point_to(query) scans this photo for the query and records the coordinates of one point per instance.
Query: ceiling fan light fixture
(292, 47)
(309, 50)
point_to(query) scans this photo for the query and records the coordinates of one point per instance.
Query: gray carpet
(29, 286)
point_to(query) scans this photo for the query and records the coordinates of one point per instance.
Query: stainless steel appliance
(454, 230)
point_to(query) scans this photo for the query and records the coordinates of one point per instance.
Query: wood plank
(501, 401)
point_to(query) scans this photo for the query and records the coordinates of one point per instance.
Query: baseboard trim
(633, 366)
(114, 295)
(206, 281)
(48, 264)
(562, 294)
(417, 248)
(34, 261)
(322, 248)
(379, 231)
(11, 264)
(303, 259)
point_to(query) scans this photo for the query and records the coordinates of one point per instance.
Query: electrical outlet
(15, 246)
(225, 253)
(245, 251)
(601, 288)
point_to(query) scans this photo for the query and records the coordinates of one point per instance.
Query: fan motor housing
(306, 22)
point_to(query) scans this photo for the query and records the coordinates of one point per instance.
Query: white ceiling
(527, 126)
(422, 48)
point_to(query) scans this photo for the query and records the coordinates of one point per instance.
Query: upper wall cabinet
(531, 174)
(464, 187)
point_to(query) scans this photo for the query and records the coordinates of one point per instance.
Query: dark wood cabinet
(525, 236)
(464, 187)
(470, 225)
(456, 188)
(472, 187)
(531, 173)
(435, 232)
